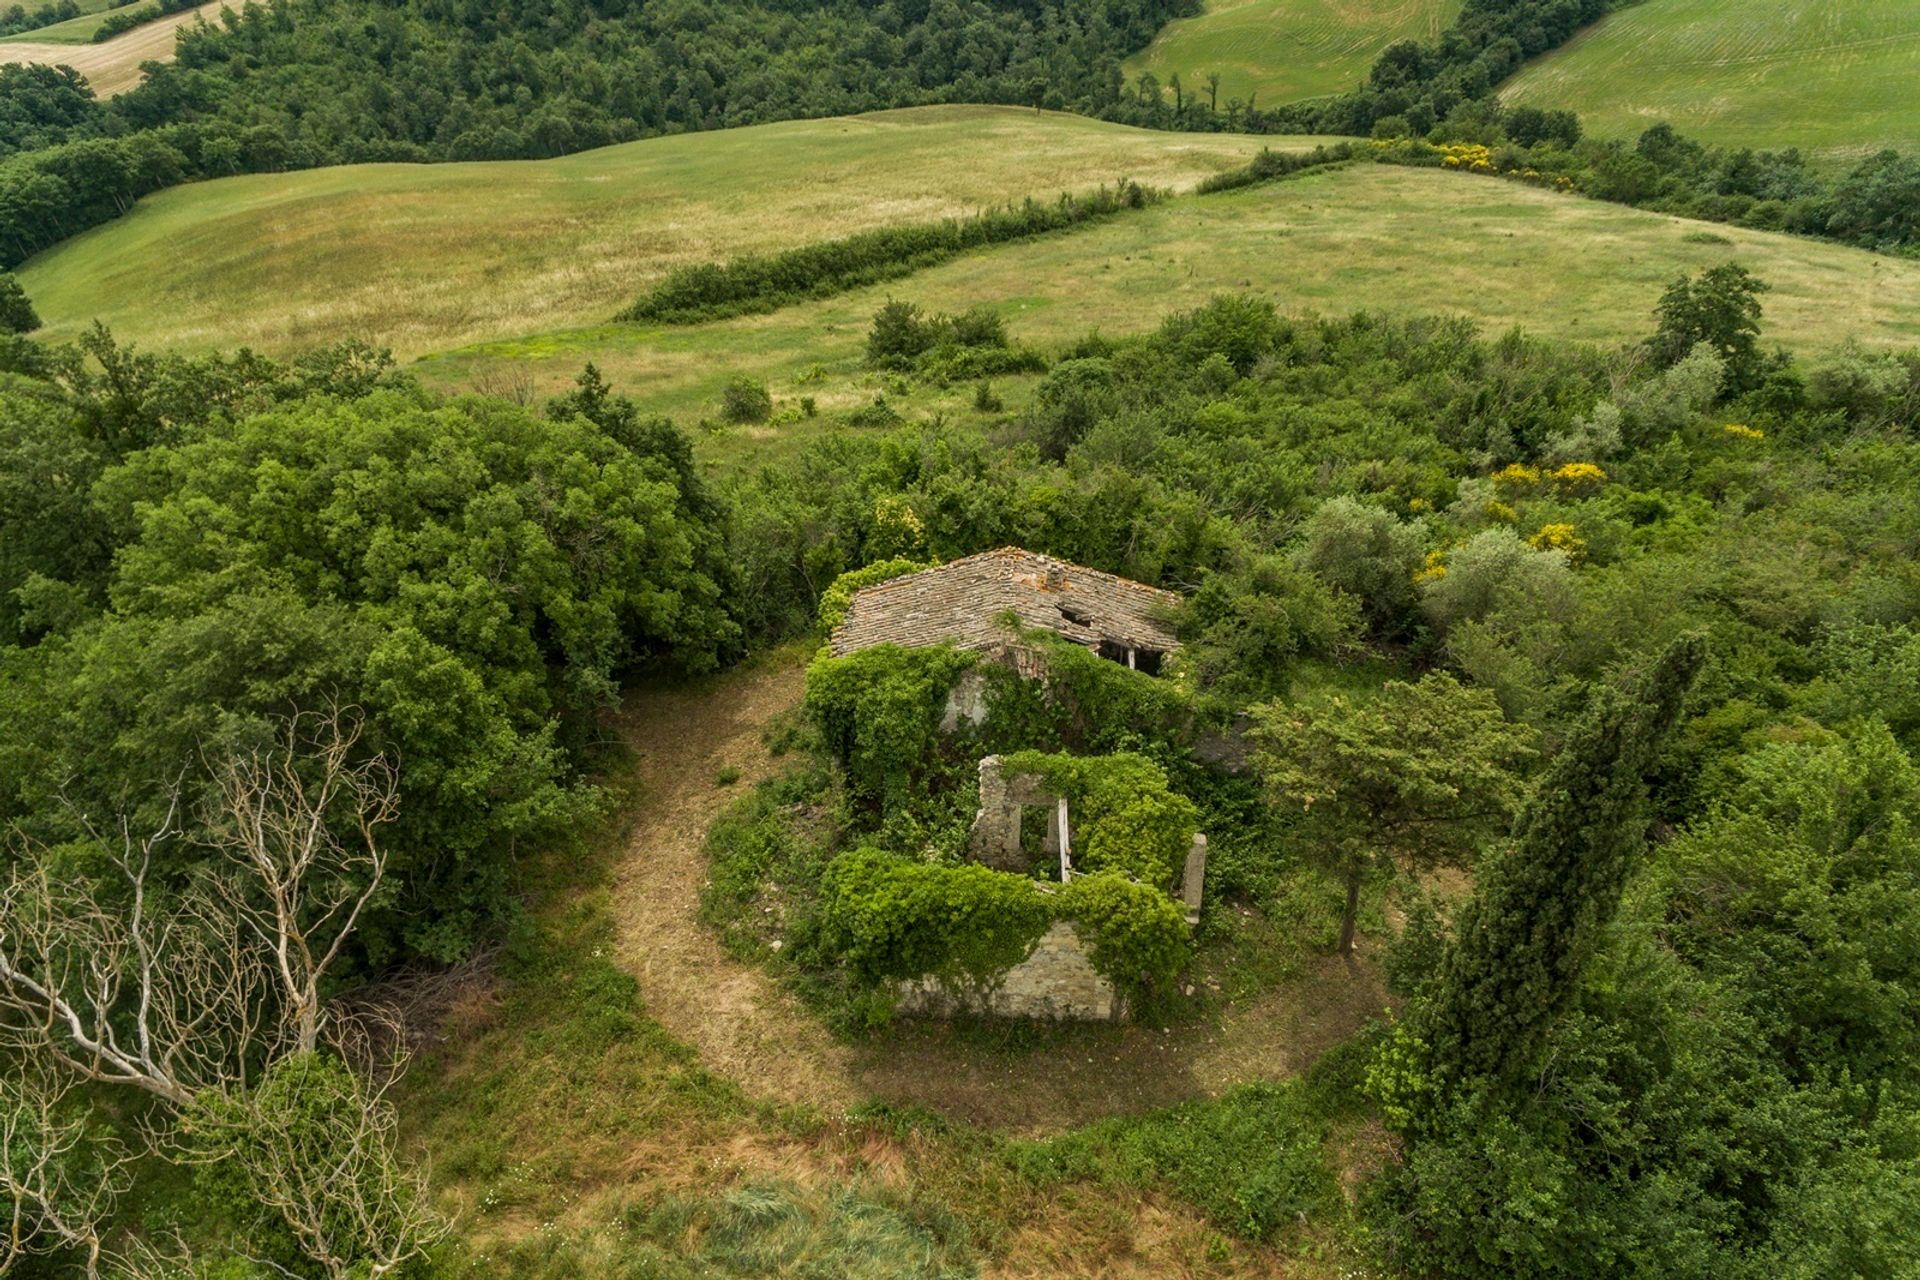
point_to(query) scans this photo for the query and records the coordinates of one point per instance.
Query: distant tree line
(16, 18)
(281, 86)
(126, 19)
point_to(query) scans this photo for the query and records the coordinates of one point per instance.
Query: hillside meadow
(1837, 79)
(112, 66)
(1366, 237)
(1275, 51)
(425, 257)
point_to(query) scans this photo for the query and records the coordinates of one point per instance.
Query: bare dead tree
(319, 1146)
(117, 991)
(300, 818)
(58, 1183)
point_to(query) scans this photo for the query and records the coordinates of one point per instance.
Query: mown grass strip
(756, 284)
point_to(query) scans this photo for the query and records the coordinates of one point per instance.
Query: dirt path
(113, 66)
(1018, 1077)
(743, 1025)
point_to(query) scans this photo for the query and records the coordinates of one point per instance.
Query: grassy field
(1365, 237)
(112, 66)
(91, 11)
(1839, 78)
(426, 257)
(1283, 50)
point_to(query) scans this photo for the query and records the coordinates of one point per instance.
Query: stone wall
(1055, 982)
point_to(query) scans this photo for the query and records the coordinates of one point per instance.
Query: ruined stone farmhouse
(967, 603)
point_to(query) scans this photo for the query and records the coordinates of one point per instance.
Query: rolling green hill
(426, 257)
(1840, 78)
(1283, 50)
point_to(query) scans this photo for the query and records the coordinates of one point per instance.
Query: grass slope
(92, 12)
(426, 257)
(1370, 237)
(1839, 78)
(1284, 50)
(113, 66)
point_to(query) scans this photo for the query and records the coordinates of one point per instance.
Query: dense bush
(749, 285)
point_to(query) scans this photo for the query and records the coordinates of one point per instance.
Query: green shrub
(745, 399)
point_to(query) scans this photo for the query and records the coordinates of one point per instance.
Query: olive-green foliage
(1537, 914)
(1135, 933)
(1124, 816)
(1496, 569)
(1253, 1159)
(1366, 552)
(879, 713)
(470, 574)
(835, 600)
(891, 918)
(1244, 630)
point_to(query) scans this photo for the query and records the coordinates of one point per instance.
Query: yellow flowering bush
(1517, 479)
(1560, 537)
(1436, 566)
(1741, 431)
(1499, 513)
(1577, 479)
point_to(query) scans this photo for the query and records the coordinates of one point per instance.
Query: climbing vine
(1135, 934)
(892, 918)
(1125, 817)
(879, 713)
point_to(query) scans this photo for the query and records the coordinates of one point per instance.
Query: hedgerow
(755, 284)
(1270, 164)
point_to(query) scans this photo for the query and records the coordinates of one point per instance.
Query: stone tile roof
(961, 602)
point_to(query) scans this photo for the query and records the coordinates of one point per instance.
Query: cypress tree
(1536, 917)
